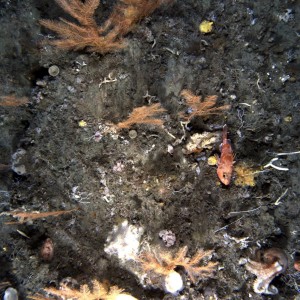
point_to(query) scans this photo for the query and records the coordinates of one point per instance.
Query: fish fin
(220, 147)
(225, 131)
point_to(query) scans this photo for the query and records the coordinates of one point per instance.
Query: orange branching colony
(143, 115)
(87, 34)
(201, 108)
(128, 12)
(24, 216)
(12, 100)
(164, 263)
(100, 291)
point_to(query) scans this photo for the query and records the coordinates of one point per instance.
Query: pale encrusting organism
(245, 175)
(272, 262)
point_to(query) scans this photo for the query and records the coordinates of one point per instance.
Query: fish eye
(225, 175)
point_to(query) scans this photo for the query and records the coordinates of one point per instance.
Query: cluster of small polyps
(156, 267)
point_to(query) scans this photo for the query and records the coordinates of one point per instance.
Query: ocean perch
(225, 162)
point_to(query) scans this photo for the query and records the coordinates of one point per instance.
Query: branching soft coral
(143, 115)
(129, 12)
(201, 108)
(100, 291)
(164, 263)
(86, 34)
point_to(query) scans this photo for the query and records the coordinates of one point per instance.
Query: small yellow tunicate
(82, 123)
(212, 161)
(206, 26)
(288, 119)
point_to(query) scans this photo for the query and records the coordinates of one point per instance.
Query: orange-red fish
(225, 162)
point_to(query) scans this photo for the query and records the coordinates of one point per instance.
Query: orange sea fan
(86, 34)
(201, 108)
(143, 115)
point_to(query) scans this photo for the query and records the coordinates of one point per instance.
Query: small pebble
(97, 136)
(168, 237)
(170, 149)
(41, 83)
(71, 89)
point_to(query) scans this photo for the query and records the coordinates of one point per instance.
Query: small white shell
(124, 297)
(53, 70)
(170, 149)
(11, 294)
(133, 134)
